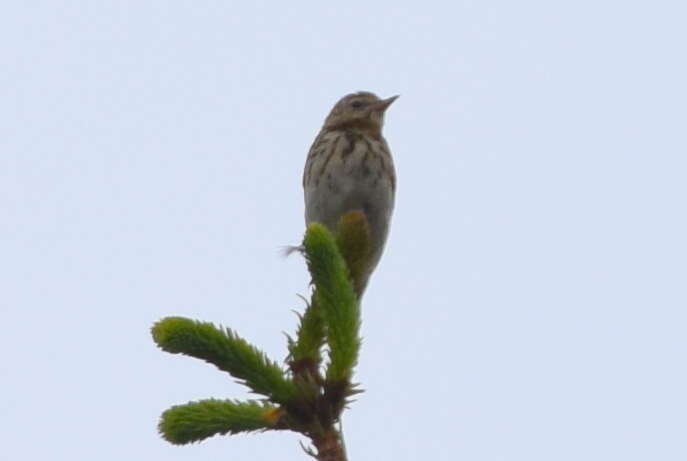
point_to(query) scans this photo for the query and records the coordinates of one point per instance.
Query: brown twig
(329, 446)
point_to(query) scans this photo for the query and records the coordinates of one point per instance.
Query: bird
(349, 169)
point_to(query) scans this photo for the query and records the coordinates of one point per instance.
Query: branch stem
(329, 446)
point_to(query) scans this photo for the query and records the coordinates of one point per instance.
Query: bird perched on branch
(349, 174)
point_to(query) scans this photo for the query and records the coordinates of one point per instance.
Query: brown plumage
(349, 168)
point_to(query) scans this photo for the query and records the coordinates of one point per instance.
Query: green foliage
(227, 351)
(310, 336)
(196, 421)
(335, 296)
(303, 401)
(353, 240)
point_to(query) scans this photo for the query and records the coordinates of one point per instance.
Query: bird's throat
(363, 126)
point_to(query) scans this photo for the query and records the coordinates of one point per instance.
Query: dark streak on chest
(330, 154)
(350, 139)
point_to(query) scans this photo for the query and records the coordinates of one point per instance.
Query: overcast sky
(531, 301)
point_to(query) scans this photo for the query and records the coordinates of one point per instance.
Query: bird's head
(363, 111)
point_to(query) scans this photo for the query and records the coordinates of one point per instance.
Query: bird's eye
(357, 104)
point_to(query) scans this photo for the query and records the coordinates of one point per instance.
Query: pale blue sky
(531, 302)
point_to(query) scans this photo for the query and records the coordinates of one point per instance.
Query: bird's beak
(384, 103)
